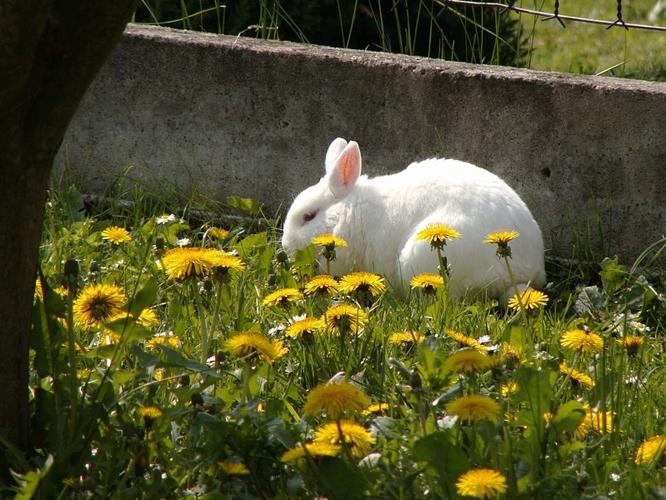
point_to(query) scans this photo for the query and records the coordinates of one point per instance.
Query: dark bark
(50, 51)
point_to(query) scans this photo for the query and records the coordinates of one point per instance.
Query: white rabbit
(380, 218)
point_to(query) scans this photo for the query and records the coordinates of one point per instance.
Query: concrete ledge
(227, 115)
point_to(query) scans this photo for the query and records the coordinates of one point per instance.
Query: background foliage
(426, 27)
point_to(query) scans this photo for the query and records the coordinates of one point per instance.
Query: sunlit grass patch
(271, 379)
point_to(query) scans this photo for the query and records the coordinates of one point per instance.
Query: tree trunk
(50, 51)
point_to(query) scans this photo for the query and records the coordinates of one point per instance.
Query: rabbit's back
(469, 199)
(461, 190)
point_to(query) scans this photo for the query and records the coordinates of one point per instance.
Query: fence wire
(619, 21)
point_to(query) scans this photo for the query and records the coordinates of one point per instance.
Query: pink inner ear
(347, 168)
(349, 165)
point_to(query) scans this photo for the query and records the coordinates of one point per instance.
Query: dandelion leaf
(246, 206)
(144, 297)
(519, 337)
(341, 480)
(589, 301)
(384, 426)
(568, 449)
(171, 358)
(568, 416)
(251, 244)
(443, 455)
(29, 482)
(129, 330)
(146, 360)
(613, 275)
(535, 388)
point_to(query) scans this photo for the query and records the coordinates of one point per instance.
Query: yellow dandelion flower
(481, 483)
(62, 291)
(282, 297)
(149, 414)
(39, 292)
(362, 282)
(405, 338)
(335, 399)
(651, 450)
(305, 327)
(165, 339)
(466, 341)
(222, 262)
(329, 241)
(254, 344)
(511, 354)
(530, 299)
(355, 436)
(468, 361)
(428, 282)
(159, 374)
(502, 237)
(187, 262)
(316, 449)
(218, 232)
(582, 341)
(345, 315)
(596, 421)
(234, 468)
(147, 318)
(109, 338)
(376, 408)
(322, 284)
(474, 408)
(508, 388)
(576, 376)
(631, 343)
(116, 235)
(96, 304)
(437, 235)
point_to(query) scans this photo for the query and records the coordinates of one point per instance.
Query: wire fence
(555, 14)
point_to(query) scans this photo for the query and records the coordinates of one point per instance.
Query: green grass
(578, 48)
(592, 49)
(89, 386)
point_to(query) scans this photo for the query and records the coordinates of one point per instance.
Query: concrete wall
(228, 115)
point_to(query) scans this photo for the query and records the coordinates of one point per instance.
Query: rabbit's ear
(345, 170)
(334, 151)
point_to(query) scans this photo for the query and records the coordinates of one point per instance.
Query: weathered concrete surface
(228, 115)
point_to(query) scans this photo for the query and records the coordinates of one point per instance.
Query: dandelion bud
(160, 245)
(197, 400)
(94, 267)
(220, 357)
(71, 269)
(283, 259)
(415, 380)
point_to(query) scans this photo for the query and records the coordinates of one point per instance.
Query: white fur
(380, 217)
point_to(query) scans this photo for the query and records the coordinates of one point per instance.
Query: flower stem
(205, 334)
(515, 287)
(245, 382)
(71, 348)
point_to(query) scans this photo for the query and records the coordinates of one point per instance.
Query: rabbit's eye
(309, 216)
